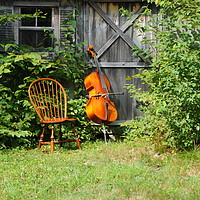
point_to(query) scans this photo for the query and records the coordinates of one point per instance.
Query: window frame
(55, 18)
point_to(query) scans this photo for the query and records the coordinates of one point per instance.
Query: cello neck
(103, 84)
(93, 54)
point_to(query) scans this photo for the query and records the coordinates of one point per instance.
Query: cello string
(100, 74)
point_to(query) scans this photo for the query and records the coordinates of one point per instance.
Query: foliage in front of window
(172, 111)
(12, 17)
(18, 68)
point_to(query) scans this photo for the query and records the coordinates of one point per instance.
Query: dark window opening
(36, 39)
(33, 31)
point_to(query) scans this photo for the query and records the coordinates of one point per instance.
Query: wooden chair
(49, 100)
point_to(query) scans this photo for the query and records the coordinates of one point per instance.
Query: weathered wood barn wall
(99, 23)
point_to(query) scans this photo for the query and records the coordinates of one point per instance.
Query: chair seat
(57, 120)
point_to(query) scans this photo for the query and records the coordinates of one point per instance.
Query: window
(36, 31)
(32, 30)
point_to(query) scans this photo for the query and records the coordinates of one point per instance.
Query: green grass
(117, 171)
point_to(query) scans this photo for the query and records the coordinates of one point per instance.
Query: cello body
(99, 108)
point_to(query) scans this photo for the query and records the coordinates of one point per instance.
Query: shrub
(171, 118)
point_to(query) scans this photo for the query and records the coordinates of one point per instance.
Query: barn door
(113, 38)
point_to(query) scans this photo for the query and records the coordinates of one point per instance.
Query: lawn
(117, 171)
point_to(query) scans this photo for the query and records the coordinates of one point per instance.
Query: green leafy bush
(16, 72)
(172, 115)
(19, 124)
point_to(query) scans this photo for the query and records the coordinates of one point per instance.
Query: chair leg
(41, 137)
(78, 142)
(76, 137)
(52, 139)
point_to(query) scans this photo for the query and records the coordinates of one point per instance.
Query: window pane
(47, 12)
(28, 21)
(36, 39)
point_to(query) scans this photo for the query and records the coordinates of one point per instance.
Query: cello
(99, 108)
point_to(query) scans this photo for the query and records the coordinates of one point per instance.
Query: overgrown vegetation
(172, 103)
(18, 68)
(116, 171)
(172, 112)
(12, 17)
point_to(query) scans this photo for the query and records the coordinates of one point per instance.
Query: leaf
(6, 71)
(7, 46)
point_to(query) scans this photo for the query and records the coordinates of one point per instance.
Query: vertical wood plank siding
(100, 31)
